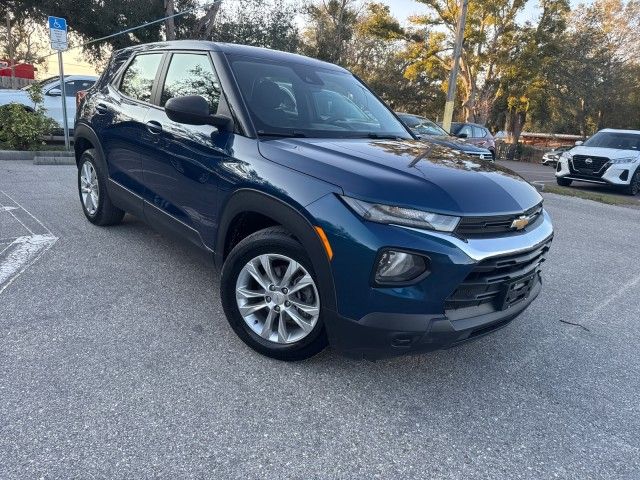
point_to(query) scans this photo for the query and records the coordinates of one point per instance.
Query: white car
(52, 93)
(610, 157)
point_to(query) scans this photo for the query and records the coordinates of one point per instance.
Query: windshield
(617, 140)
(301, 100)
(422, 125)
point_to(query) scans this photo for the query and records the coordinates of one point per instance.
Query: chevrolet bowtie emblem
(520, 223)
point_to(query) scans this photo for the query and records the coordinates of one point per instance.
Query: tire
(634, 186)
(260, 328)
(493, 155)
(94, 197)
(563, 182)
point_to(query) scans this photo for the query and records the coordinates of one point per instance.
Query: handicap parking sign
(58, 33)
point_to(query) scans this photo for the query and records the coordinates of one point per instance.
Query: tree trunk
(169, 23)
(205, 24)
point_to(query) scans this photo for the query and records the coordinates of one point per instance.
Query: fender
(249, 200)
(84, 131)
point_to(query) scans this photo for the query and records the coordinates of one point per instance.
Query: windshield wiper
(292, 134)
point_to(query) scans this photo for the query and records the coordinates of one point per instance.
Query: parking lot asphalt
(116, 362)
(545, 174)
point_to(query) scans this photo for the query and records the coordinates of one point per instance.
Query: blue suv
(330, 221)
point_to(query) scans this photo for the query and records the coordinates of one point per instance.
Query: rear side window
(479, 132)
(137, 80)
(191, 74)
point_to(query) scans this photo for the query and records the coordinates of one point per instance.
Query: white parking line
(20, 255)
(23, 250)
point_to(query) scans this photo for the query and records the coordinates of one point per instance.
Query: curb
(50, 160)
(9, 155)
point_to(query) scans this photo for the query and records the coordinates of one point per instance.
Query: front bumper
(383, 335)
(619, 174)
(375, 322)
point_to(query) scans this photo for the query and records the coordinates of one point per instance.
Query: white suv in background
(610, 157)
(52, 92)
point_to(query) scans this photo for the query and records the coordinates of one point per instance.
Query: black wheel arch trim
(84, 131)
(255, 201)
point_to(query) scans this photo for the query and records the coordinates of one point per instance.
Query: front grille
(482, 226)
(484, 289)
(588, 165)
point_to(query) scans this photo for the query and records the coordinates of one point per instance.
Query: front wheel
(563, 182)
(270, 296)
(634, 187)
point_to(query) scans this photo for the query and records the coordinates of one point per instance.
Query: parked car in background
(330, 221)
(552, 157)
(429, 131)
(52, 93)
(610, 157)
(476, 135)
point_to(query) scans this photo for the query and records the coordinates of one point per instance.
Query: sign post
(58, 36)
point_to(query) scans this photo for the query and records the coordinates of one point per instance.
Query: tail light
(80, 94)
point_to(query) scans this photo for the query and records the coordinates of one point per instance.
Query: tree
(261, 23)
(330, 27)
(489, 33)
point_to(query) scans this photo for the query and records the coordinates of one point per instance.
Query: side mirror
(55, 92)
(578, 143)
(194, 110)
(462, 135)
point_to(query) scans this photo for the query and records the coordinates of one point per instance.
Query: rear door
(120, 121)
(182, 175)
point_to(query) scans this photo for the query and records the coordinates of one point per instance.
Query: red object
(23, 70)
(80, 94)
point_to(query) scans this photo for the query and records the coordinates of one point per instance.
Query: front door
(181, 178)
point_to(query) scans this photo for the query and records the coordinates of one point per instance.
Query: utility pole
(453, 77)
(10, 44)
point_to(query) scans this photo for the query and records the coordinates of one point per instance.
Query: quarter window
(137, 81)
(191, 74)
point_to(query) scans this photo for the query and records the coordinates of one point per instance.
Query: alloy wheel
(89, 188)
(277, 298)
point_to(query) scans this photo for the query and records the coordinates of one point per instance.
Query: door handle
(154, 127)
(102, 108)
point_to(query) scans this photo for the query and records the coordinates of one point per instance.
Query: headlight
(565, 155)
(375, 212)
(615, 161)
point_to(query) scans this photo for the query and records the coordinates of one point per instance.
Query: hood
(407, 173)
(603, 152)
(453, 142)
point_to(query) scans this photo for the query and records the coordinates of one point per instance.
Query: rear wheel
(564, 182)
(270, 296)
(92, 187)
(634, 187)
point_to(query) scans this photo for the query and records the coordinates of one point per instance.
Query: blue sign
(56, 23)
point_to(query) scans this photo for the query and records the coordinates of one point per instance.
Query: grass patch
(588, 195)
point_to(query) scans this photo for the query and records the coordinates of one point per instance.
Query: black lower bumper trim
(383, 335)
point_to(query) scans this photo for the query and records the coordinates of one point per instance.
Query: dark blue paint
(190, 173)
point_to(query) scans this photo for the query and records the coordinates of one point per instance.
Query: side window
(137, 80)
(74, 86)
(191, 74)
(466, 130)
(479, 132)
